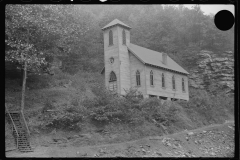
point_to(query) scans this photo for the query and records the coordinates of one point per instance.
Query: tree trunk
(22, 75)
(24, 85)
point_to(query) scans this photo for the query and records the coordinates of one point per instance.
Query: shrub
(153, 109)
(48, 105)
(39, 81)
(206, 108)
(74, 101)
(107, 107)
(69, 118)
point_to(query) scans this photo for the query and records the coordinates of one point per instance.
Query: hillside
(61, 47)
(210, 141)
(80, 107)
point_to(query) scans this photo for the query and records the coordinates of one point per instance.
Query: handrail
(25, 123)
(12, 121)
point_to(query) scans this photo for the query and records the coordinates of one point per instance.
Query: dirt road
(210, 141)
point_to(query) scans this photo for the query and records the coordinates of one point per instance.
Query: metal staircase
(20, 131)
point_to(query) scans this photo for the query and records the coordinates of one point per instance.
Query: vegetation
(72, 33)
(71, 108)
(75, 96)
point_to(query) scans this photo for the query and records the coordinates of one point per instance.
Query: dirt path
(210, 141)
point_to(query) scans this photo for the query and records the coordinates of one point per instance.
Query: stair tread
(24, 145)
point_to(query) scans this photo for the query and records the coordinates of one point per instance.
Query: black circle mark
(224, 20)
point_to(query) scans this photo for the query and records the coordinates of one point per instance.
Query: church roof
(115, 22)
(154, 58)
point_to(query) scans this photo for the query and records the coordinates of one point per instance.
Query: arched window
(110, 37)
(163, 80)
(113, 77)
(151, 78)
(113, 82)
(173, 82)
(138, 78)
(183, 85)
(124, 37)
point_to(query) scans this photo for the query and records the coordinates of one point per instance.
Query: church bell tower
(116, 37)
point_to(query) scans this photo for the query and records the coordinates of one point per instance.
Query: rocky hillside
(214, 72)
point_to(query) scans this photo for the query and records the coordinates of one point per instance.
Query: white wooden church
(127, 66)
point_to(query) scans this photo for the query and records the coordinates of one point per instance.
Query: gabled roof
(154, 58)
(116, 22)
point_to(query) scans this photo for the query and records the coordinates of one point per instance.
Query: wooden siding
(157, 89)
(135, 65)
(111, 51)
(124, 61)
(126, 64)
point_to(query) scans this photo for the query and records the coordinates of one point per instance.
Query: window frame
(183, 85)
(151, 78)
(138, 78)
(110, 77)
(110, 38)
(163, 81)
(124, 39)
(173, 83)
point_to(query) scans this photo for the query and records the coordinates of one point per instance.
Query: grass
(80, 100)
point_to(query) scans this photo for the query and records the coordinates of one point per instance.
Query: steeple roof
(115, 22)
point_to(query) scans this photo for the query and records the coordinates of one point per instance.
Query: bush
(130, 109)
(154, 110)
(206, 108)
(74, 101)
(39, 81)
(69, 118)
(48, 105)
(111, 108)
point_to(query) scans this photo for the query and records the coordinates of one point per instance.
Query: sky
(213, 9)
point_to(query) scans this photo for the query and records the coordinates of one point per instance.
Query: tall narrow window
(183, 85)
(163, 80)
(138, 78)
(124, 37)
(113, 77)
(151, 78)
(173, 82)
(110, 37)
(113, 82)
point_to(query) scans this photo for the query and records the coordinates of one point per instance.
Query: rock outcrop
(214, 72)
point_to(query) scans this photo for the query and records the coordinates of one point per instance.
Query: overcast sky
(213, 9)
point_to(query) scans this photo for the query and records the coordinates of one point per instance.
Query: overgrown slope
(80, 104)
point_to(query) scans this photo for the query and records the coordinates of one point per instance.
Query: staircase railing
(12, 123)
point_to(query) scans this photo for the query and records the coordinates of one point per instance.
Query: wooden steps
(19, 132)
